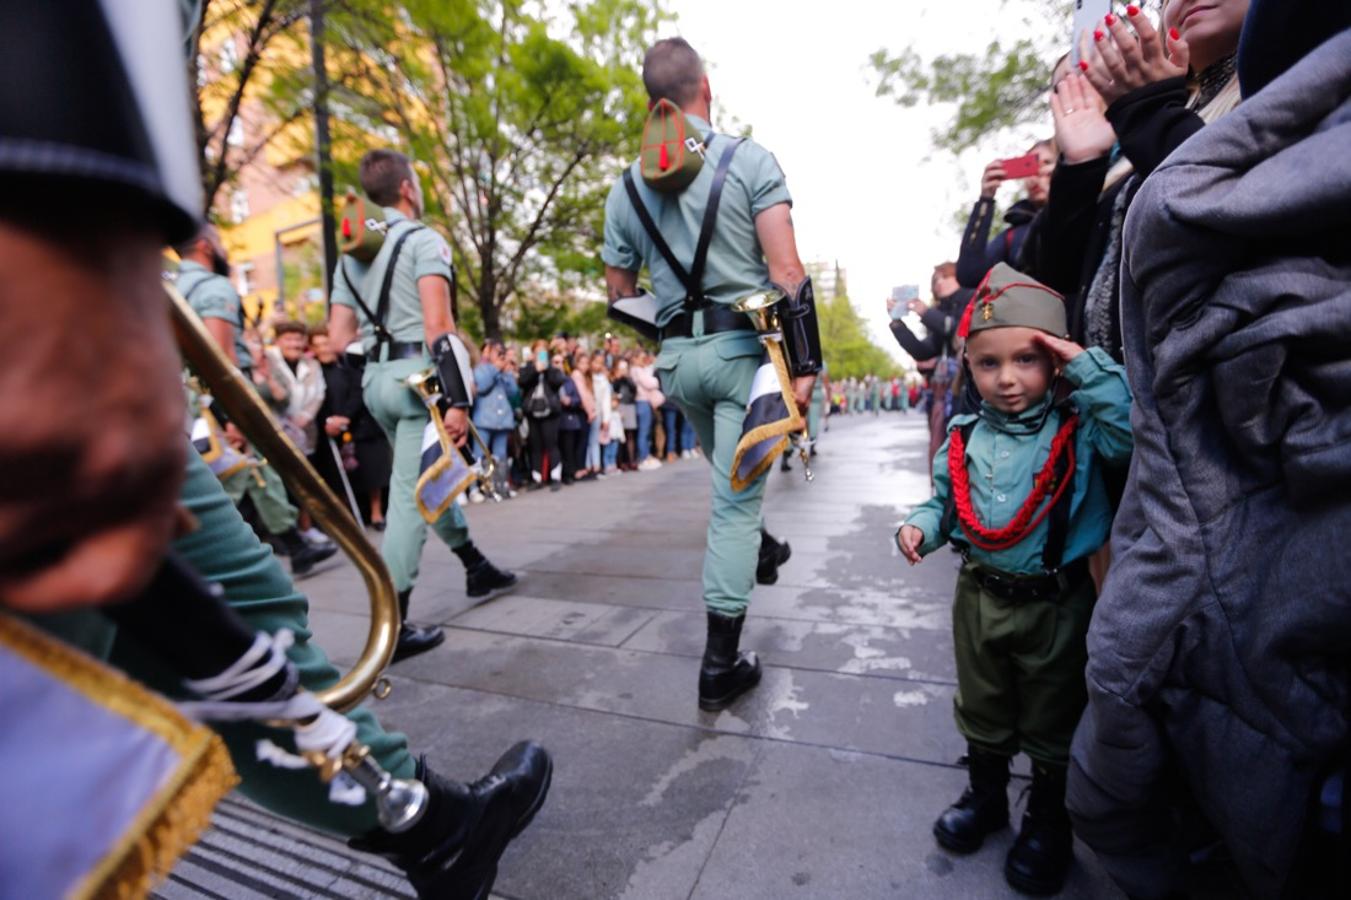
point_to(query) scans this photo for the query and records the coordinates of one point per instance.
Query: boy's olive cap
(1007, 298)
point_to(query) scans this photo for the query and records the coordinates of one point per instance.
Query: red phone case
(1026, 166)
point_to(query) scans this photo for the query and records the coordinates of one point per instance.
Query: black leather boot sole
(488, 583)
(415, 639)
(721, 691)
(968, 840)
(304, 561)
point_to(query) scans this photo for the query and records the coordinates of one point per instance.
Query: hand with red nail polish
(1083, 66)
(1174, 34)
(1131, 54)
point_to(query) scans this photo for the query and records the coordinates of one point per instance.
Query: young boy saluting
(1018, 489)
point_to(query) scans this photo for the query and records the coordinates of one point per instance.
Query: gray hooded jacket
(1218, 653)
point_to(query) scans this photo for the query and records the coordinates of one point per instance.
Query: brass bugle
(760, 308)
(427, 385)
(246, 409)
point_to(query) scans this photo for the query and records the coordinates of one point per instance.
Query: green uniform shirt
(424, 253)
(736, 265)
(212, 296)
(1002, 461)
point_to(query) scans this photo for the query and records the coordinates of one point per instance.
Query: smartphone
(902, 295)
(542, 359)
(1026, 166)
(1088, 15)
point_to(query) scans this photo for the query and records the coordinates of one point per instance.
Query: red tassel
(347, 228)
(663, 158)
(964, 326)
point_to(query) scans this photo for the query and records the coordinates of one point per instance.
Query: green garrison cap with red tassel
(672, 149)
(1007, 298)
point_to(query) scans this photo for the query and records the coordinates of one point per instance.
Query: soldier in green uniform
(400, 305)
(98, 171)
(739, 205)
(1018, 488)
(204, 280)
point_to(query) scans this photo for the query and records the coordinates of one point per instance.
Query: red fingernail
(1175, 34)
(1109, 19)
(1083, 66)
(1097, 35)
(1132, 10)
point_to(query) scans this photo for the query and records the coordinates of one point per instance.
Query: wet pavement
(822, 783)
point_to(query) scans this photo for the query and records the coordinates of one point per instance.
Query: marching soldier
(400, 304)
(203, 280)
(97, 172)
(711, 230)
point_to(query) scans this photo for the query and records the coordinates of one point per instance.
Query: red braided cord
(1028, 517)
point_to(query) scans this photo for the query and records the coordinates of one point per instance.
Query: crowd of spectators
(551, 413)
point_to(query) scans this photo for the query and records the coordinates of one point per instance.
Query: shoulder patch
(445, 253)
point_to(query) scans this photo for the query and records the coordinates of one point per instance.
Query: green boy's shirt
(212, 296)
(424, 253)
(1002, 464)
(736, 265)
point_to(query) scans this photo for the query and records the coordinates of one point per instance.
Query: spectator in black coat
(540, 383)
(979, 251)
(347, 425)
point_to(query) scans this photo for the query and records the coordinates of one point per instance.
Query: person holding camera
(979, 252)
(495, 387)
(543, 408)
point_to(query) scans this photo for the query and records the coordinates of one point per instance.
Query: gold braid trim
(171, 820)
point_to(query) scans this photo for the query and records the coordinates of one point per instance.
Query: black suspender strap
(695, 298)
(652, 231)
(377, 318)
(693, 278)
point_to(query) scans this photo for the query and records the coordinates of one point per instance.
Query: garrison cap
(1007, 298)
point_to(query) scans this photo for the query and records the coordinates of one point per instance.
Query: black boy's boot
(725, 673)
(983, 807)
(773, 553)
(483, 581)
(414, 639)
(304, 555)
(1038, 860)
(452, 851)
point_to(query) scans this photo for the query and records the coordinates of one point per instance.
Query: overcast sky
(867, 188)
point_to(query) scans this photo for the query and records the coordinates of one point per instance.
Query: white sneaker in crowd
(649, 464)
(316, 537)
(476, 497)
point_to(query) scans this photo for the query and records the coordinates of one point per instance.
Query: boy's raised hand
(908, 540)
(1061, 350)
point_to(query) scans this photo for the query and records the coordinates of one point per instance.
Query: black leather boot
(452, 852)
(483, 581)
(773, 553)
(1038, 860)
(983, 807)
(304, 555)
(414, 639)
(725, 673)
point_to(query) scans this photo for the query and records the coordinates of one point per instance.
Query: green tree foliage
(994, 88)
(850, 353)
(520, 114)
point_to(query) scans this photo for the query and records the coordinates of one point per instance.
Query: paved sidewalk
(822, 783)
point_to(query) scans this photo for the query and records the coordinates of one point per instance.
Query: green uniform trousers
(1020, 669)
(264, 487)
(401, 414)
(710, 377)
(226, 551)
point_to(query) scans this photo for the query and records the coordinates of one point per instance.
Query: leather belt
(404, 350)
(1020, 588)
(717, 318)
